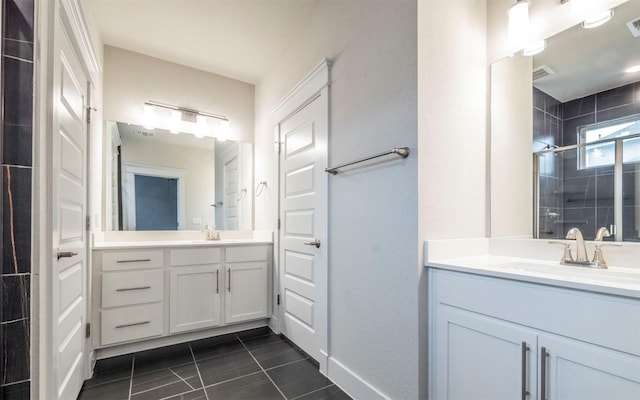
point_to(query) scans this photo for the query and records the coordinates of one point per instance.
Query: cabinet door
(478, 357)
(194, 297)
(246, 291)
(578, 370)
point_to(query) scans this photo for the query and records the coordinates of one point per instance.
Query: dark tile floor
(254, 364)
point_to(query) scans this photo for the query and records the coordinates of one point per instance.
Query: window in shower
(603, 151)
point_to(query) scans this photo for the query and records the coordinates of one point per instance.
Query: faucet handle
(598, 255)
(566, 252)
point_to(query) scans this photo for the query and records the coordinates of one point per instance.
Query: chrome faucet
(581, 248)
(211, 233)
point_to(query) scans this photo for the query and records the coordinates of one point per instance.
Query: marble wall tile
(18, 91)
(16, 144)
(18, 20)
(16, 220)
(16, 391)
(15, 351)
(15, 295)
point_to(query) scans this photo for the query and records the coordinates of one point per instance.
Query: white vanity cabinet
(246, 283)
(159, 293)
(494, 338)
(194, 288)
(131, 294)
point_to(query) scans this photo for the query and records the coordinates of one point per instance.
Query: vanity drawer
(132, 287)
(131, 323)
(179, 257)
(246, 253)
(134, 259)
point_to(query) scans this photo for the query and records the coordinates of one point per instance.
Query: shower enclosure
(594, 183)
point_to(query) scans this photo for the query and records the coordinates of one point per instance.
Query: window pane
(631, 150)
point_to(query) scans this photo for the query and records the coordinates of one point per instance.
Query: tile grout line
(262, 369)
(314, 391)
(133, 367)
(286, 364)
(193, 356)
(179, 377)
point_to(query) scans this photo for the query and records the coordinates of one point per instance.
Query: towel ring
(260, 188)
(242, 194)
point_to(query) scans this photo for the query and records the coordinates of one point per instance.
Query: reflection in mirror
(166, 181)
(586, 130)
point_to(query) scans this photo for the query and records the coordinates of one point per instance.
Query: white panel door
(69, 277)
(303, 232)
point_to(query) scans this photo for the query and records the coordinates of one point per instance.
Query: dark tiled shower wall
(588, 193)
(575, 197)
(16, 132)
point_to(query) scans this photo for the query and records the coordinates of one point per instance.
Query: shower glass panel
(573, 196)
(631, 190)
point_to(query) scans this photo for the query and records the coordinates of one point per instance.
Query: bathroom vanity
(515, 328)
(153, 293)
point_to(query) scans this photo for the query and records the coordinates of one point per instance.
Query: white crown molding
(310, 85)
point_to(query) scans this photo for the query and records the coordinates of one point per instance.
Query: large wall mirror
(177, 181)
(585, 130)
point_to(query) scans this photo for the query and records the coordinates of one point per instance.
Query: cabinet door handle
(229, 275)
(133, 288)
(543, 372)
(133, 324)
(525, 392)
(217, 281)
(132, 261)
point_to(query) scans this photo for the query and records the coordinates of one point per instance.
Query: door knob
(66, 254)
(315, 242)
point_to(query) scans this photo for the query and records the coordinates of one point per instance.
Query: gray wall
(373, 224)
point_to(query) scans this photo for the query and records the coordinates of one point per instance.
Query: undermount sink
(569, 273)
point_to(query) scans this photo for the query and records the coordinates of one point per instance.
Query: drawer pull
(525, 393)
(544, 355)
(132, 261)
(133, 288)
(217, 281)
(229, 273)
(133, 324)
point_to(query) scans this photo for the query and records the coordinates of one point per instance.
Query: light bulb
(518, 28)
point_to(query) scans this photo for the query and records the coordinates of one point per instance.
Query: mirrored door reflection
(631, 190)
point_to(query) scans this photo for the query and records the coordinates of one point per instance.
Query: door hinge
(278, 300)
(278, 223)
(87, 331)
(88, 223)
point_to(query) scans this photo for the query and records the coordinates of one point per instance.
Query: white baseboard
(350, 383)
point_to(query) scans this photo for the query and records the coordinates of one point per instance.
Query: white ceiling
(239, 39)
(587, 61)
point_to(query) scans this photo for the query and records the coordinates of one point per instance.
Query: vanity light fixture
(181, 115)
(635, 68)
(597, 19)
(148, 117)
(518, 30)
(534, 48)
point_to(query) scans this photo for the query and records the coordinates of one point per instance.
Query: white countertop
(176, 243)
(619, 281)
(151, 239)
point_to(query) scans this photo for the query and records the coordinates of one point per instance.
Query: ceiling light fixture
(534, 48)
(148, 116)
(597, 19)
(518, 29)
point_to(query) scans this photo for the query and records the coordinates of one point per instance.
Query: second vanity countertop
(619, 281)
(155, 239)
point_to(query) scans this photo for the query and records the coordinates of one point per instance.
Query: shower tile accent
(16, 133)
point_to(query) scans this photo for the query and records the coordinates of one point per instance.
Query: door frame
(48, 15)
(314, 86)
(129, 171)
